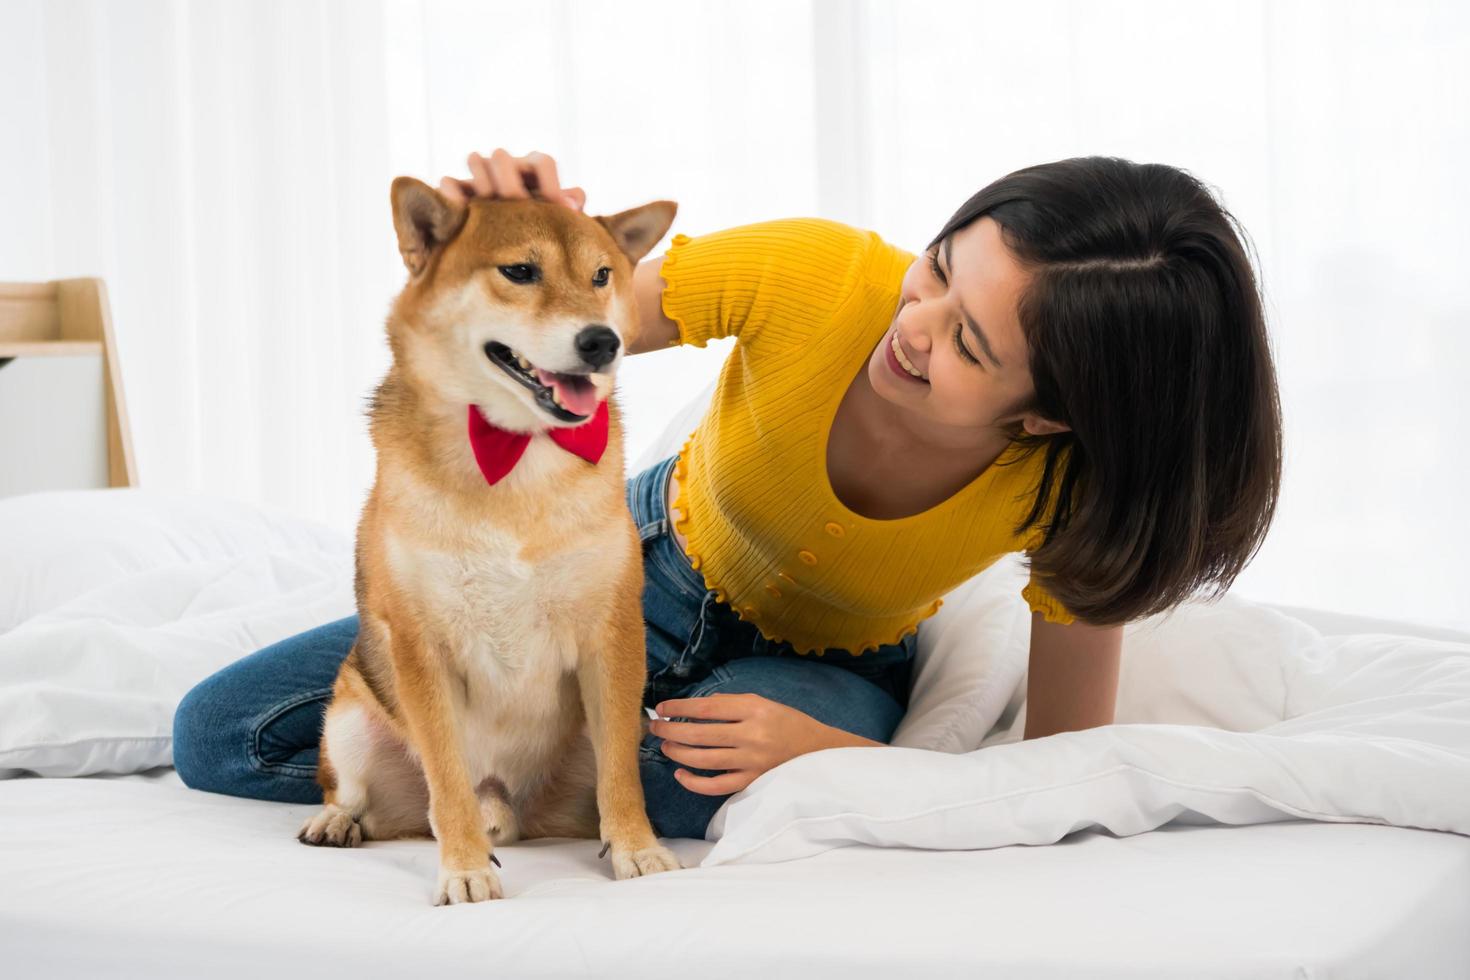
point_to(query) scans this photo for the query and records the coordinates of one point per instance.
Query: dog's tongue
(577, 392)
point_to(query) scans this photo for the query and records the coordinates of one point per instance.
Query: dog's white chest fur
(486, 602)
(508, 629)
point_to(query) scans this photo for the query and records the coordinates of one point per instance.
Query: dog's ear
(424, 219)
(637, 230)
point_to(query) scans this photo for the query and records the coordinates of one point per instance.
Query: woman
(1077, 367)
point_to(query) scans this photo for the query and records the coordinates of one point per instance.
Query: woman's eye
(959, 330)
(521, 272)
(959, 344)
(600, 279)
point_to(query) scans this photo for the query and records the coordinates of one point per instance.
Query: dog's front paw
(631, 862)
(332, 827)
(476, 885)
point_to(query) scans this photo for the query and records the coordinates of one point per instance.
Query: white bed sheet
(138, 876)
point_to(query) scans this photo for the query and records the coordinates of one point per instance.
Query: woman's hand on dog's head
(502, 175)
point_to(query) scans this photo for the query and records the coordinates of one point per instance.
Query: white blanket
(1229, 713)
(114, 603)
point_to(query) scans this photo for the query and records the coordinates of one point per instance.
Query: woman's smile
(898, 361)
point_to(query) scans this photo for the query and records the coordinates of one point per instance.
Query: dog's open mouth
(567, 397)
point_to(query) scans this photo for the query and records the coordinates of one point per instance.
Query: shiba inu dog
(495, 689)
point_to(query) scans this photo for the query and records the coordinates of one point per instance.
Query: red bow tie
(497, 450)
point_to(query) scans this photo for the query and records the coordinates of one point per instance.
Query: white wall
(225, 166)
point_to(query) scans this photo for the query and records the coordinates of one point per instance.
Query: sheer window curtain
(225, 166)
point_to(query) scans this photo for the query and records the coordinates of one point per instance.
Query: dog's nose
(597, 345)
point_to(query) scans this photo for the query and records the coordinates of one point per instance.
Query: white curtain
(225, 166)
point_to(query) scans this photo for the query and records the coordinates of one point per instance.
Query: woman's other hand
(501, 175)
(758, 734)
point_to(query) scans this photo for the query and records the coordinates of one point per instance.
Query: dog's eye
(521, 272)
(600, 279)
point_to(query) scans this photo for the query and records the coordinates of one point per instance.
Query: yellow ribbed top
(808, 299)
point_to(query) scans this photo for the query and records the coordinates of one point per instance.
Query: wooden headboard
(69, 317)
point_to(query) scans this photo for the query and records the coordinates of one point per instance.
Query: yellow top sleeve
(772, 281)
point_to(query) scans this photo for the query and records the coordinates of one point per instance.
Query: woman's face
(957, 325)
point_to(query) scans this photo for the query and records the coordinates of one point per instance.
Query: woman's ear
(1037, 426)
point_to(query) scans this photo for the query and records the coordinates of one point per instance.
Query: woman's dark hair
(1147, 338)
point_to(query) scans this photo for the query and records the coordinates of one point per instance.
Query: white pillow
(1176, 665)
(1370, 728)
(61, 544)
(970, 658)
(143, 595)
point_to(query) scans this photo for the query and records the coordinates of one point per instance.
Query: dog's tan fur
(495, 689)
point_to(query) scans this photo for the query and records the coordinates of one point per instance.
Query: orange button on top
(835, 529)
(807, 557)
(775, 592)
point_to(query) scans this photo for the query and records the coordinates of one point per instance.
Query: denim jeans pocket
(680, 657)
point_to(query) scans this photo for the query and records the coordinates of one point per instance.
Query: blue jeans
(253, 728)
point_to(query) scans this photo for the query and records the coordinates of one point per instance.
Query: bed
(137, 876)
(1285, 793)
